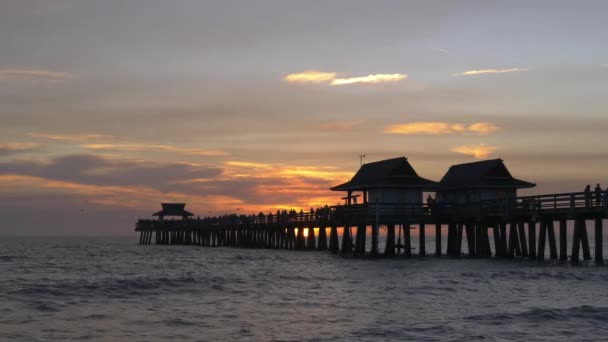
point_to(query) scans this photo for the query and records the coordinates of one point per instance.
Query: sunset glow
(265, 106)
(476, 151)
(434, 128)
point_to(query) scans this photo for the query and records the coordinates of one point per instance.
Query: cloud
(479, 151)
(341, 126)
(488, 71)
(15, 148)
(34, 75)
(249, 185)
(100, 142)
(437, 127)
(72, 137)
(310, 76)
(483, 127)
(318, 77)
(154, 148)
(370, 79)
(102, 171)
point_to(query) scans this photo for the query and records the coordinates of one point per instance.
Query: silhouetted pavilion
(173, 209)
(478, 181)
(387, 181)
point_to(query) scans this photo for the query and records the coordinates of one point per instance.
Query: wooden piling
(563, 240)
(599, 237)
(375, 241)
(311, 241)
(407, 241)
(334, 243)
(347, 242)
(322, 245)
(552, 242)
(389, 247)
(541, 241)
(532, 240)
(470, 231)
(360, 240)
(438, 239)
(422, 243)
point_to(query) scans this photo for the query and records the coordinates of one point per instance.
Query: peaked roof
(483, 174)
(396, 172)
(173, 209)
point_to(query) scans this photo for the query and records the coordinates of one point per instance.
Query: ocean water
(111, 289)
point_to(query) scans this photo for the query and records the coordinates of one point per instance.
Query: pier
(475, 205)
(524, 227)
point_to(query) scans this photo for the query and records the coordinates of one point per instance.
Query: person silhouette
(598, 195)
(588, 195)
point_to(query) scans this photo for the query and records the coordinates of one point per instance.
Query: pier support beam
(422, 243)
(438, 239)
(360, 240)
(599, 237)
(407, 240)
(523, 242)
(470, 231)
(347, 241)
(322, 245)
(389, 249)
(563, 240)
(532, 240)
(552, 242)
(375, 241)
(334, 244)
(311, 241)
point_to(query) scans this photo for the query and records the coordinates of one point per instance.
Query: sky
(108, 108)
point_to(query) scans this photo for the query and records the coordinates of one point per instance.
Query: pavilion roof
(393, 173)
(173, 209)
(483, 174)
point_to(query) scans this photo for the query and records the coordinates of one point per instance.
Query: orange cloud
(479, 151)
(13, 148)
(33, 75)
(310, 76)
(437, 127)
(488, 71)
(425, 128)
(483, 127)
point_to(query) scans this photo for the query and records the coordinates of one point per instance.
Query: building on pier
(173, 210)
(479, 181)
(391, 183)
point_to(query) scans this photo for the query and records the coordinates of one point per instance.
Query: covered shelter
(389, 182)
(173, 210)
(479, 181)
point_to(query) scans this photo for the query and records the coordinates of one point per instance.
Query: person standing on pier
(588, 195)
(598, 195)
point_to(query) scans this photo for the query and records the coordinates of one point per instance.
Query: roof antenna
(361, 157)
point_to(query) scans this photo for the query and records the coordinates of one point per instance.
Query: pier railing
(563, 203)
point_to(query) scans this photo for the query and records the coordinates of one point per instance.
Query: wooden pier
(522, 227)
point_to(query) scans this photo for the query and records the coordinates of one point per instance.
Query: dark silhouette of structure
(387, 181)
(521, 226)
(479, 181)
(173, 210)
